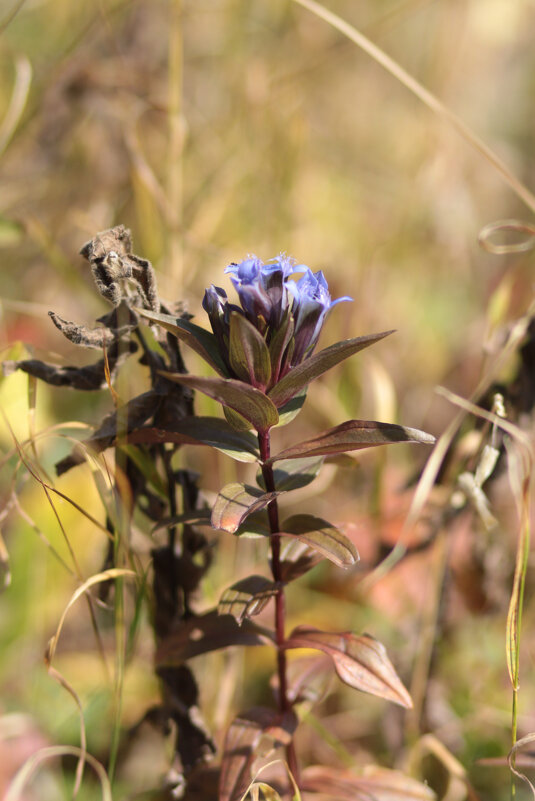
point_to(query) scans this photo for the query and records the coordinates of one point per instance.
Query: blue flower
(288, 314)
(262, 288)
(311, 304)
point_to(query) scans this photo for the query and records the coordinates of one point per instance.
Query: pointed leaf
(302, 374)
(293, 474)
(354, 435)
(248, 352)
(244, 399)
(235, 420)
(212, 431)
(247, 597)
(198, 339)
(279, 342)
(360, 661)
(322, 537)
(377, 783)
(290, 410)
(297, 559)
(235, 502)
(207, 633)
(241, 747)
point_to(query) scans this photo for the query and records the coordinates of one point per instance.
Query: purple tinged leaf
(248, 352)
(279, 342)
(235, 503)
(360, 661)
(198, 339)
(235, 420)
(242, 398)
(297, 559)
(302, 374)
(207, 633)
(211, 431)
(354, 435)
(322, 537)
(241, 747)
(294, 474)
(247, 597)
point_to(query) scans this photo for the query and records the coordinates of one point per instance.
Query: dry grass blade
(23, 79)
(423, 94)
(500, 226)
(15, 789)
(527, 740)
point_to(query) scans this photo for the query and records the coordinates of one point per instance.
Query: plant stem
(280, 611)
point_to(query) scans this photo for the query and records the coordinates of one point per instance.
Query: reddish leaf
(297, 559)
(360, 661)
(241, 747)
(301, 375)
(235, 502)
(248, 352)
(323, 537)
(373, 784)
(199, 339)
(354, 435)
(243, 398)
(209, 632)
(247, 597)
(212, 431)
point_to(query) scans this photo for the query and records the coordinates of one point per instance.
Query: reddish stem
(280, 612)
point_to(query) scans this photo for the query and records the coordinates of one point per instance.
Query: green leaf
(235, 420)
(198, 339)
(360, 661)
(248, 352)
(290, 410)
(354, 435)
(322, 537)
(235, 502)
(280, 340)
(244, 399)
(293, 474)
(212, 431)
(247, 597)
(302, 374)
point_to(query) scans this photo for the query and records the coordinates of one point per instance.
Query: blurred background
(219, 128)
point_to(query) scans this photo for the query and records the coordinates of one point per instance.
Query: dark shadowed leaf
(212, 431)
(235, 502)
(198, 339)
(280, 340)
(242, 744)
(297, 559)
(244, 399)
(360, 661)
(322, 537)
(248, 352)
(247, 597)
(290, 410)
(301, 375)
(293, 474)
(373, 784)
(255, 525)
(209, 632)
(354, 435)
(199, 516)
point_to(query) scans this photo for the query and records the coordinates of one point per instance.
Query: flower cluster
(287, 313)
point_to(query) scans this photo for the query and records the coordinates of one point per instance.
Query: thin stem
(280, 610)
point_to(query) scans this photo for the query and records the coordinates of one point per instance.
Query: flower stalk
(280, 606)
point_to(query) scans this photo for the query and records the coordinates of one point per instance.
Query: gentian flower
(288, 314)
